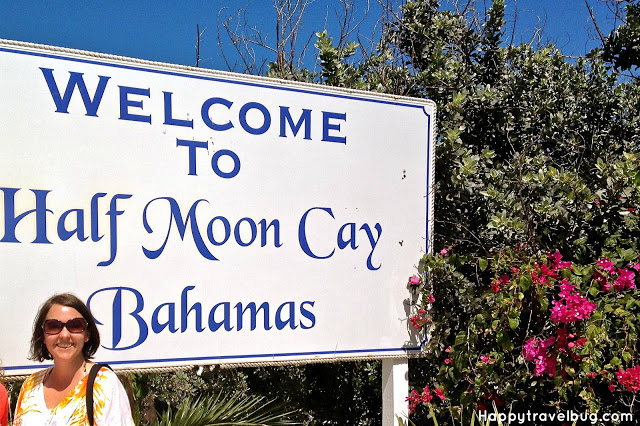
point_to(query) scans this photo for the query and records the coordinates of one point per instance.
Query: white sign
(208, 217)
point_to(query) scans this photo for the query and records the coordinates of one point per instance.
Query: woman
(4, 406)
(65, 331)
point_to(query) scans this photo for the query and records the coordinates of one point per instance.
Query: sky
(165, 31)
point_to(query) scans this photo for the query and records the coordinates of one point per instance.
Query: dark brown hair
(39, 350)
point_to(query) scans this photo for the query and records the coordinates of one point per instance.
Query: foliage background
(537, 153)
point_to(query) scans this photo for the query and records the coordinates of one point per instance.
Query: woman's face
(65, 346)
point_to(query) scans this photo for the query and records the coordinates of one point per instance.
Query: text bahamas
(175, 317)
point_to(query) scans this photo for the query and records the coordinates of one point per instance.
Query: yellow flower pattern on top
(110, 403)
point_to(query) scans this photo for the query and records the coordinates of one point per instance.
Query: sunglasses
(54, 326)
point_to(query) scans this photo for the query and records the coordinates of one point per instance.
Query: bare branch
(248, 41)
(346, 19)
(603, 38)
(199, 35)
(515, 20)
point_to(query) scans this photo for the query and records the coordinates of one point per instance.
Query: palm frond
(231, 410)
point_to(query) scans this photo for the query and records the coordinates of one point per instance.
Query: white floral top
(111, 404)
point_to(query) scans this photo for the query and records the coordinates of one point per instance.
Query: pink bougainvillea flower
(592, 375)
(536, 350)
(415, 322)
(497, 284)
(414, 280)
(530, 349)
(545, 364)
(566, 288)
(606, 264)
(430, 298)
(549, 272)
(572, 306)
(447, 361)
(550, 366)
(413, 399)
(541, 274)
(600, 279)
(578, 343)
(418, 321)
(485, 359)
(563, 339)
(546, 344)
(558, 262)
(440, 394)
(630, 378)
(565, 265)
(556, 257)
(612, 387)
(444, 251)
(625, 280)
(538, 279)
(448, 349)
(426, 395)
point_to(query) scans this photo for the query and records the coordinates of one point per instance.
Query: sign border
(121, 62)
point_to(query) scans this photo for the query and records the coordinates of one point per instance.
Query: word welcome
(132, 104)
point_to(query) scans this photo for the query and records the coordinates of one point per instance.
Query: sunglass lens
(76, 325)
(52, 326)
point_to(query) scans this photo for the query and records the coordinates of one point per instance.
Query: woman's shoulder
(38, 376)
(104, 369)
(106, 376)
(33, 383)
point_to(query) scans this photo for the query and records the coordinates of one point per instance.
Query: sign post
(209, 217)
(395, 388)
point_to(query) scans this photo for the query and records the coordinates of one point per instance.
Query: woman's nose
(64, 332)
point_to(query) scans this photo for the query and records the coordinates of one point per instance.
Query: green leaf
(461, 339)
(483, 263)
(628, 254)
(621, 312)
(544, 303)
(525, 282)
(514, 322)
